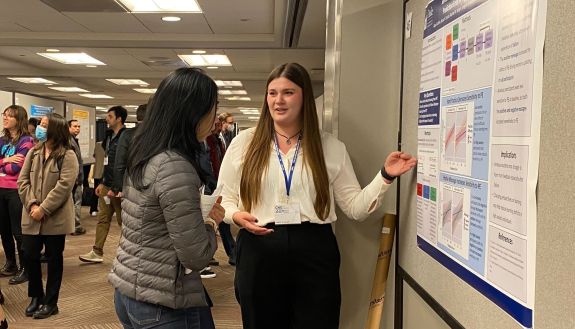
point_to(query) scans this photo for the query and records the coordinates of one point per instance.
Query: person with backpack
(45, 188)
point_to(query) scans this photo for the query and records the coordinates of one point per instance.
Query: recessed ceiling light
(232, 83)
(33, 80)
(95, 96)
(171, 19)
(212, 67)
(53, 50)
(72, 58)
(206, 60)
(232, 92)
(145, 90)
(253, 118)
(128, 82)
(70, 89)
(198, 52)
(238, 98)
(91, 66)
(157, 6)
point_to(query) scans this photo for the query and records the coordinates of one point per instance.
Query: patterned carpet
(86, 298)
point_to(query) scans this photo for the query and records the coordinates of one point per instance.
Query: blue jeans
(134, 314)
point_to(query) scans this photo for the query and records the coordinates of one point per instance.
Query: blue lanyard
(287, 179)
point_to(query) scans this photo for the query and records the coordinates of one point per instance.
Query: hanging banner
(83, 118)
(478, 144)
(39, 111)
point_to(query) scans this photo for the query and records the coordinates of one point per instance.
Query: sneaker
(214, 262)
(94, 213)
(79, 231)
(207, 274)
(20, 277)
(232, 262)
(91, 257)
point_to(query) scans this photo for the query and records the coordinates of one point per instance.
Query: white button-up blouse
(356, 203)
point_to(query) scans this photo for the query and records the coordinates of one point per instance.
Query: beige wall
(367, 122)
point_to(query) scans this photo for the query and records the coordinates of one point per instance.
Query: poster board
(553, 306)
(5, 101)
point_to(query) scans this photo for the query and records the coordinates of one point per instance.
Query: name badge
(105, 161)
(286, 214)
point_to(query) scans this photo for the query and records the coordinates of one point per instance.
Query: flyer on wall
(83, 118)
(478, 144)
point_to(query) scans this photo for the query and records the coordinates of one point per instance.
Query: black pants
(289, 279)
(94, 199)
(228, 240)
(32, 246)
(11, 223)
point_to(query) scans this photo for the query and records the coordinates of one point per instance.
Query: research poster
(83, 118)
(478, 144)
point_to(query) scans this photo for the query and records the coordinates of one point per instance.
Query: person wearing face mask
(228, 127)
(165, 240)
(14, 145)
(41, 131)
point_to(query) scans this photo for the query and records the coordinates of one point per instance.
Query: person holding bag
(45, 187)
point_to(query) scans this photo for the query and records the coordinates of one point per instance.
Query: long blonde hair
(256, 158)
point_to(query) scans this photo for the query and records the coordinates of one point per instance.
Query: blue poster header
(439, 13)
(40, 111)
(429, 108)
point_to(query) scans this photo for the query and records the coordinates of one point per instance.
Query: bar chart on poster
(478, 145)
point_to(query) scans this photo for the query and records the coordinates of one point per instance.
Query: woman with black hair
(45, 187)
(165, 240)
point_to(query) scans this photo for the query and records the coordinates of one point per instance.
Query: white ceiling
(142, 46)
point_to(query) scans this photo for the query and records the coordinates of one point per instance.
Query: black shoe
(9, 269)
(43, 258)
(213, 262)
(3, 324)
(79, 231)
(20, 277)
(232, 262)
(1, 298)
(34, 306)
(46, 311)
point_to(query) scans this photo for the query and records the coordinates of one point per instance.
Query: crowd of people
(278, 182)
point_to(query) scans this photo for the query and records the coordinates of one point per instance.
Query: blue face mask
(41, 133)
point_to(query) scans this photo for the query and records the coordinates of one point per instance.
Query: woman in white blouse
(280, 181)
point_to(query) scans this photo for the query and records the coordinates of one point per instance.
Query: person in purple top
(14, 145)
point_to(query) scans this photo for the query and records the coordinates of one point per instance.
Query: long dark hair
(58, 134)
(258, 151)
(172, 118)
(18, 112)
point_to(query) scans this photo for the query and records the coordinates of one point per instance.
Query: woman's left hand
(217, 213)
(37, 213)
(398, 163)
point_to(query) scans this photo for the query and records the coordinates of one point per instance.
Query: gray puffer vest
(163, 233)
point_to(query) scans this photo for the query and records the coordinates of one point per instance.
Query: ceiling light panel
(232, 92)
(72, 58)
(231, 83)
(238, 98)
(145, 90)
(33, 80)
(95, 96)
(206, 60)
(70, 89)
(161, 6)
(128, 82)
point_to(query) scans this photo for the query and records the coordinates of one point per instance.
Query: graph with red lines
(455, 141)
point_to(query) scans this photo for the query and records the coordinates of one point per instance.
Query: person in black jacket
(122, 153)
(108, 202)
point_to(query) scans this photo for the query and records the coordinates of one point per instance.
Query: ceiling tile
(109, 22)
(190, 23)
